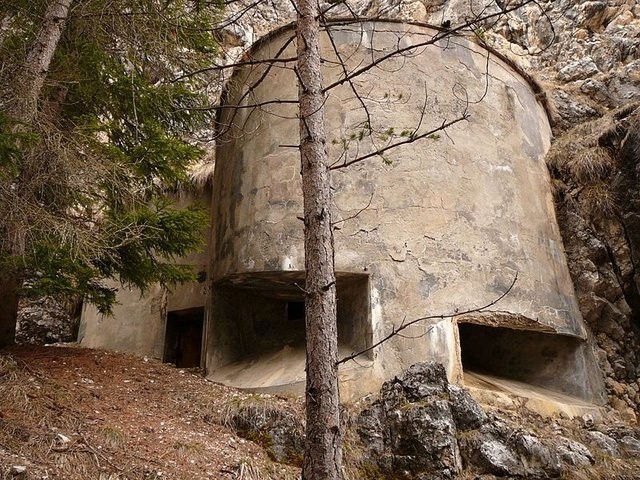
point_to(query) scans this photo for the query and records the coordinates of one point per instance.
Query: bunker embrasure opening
(258, 326)
(521, 360)
(183, 337)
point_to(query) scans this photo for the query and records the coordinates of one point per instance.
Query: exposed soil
(73, 413)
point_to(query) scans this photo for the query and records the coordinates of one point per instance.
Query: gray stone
(571, 110)
(419, 425)
(411, 430)
(370, 429)
(630, 445)
(578, 70)
(499, 459)
(603, 442)
(537, 458)
(467, 413)
(595, 89)
(573, 453)
(45, 320)
(422, 436)
(419, 382)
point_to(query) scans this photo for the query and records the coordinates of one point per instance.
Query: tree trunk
(30, 89)
(39, 58)
(9, 285)
(323, 449)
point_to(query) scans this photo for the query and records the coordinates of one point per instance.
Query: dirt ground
(72, 413)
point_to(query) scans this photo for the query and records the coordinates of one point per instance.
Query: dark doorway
(183, 337)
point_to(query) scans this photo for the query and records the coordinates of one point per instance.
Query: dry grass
(587, 160)
(598, 199)
(590, 165)
(201, 174)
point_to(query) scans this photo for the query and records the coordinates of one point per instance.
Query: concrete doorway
(183, 337)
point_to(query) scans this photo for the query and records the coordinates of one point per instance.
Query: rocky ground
(72, 413)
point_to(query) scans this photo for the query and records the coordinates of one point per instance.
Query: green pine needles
(85, 186)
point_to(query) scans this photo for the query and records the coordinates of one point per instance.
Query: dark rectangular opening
(554, 362)
(295, 311)
(258, 326)
(183, 337)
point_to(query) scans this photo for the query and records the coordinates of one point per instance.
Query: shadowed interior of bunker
(548, 360)
(258, 327)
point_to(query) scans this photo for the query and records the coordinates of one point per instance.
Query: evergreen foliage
(84, 186)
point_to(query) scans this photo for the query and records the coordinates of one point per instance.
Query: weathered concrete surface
(136, 326)
(138, 323)
(439, 225)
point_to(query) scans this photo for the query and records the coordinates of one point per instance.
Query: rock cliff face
(595, 165)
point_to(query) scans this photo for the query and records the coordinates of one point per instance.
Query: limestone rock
(468, 415)
(498, 458)
(422, 437)
(412, 429)
(419, 424)
(578, 70)
(630, 445)
(45, 320)
(571, 111)
(419, 382)
(574, 453)
(539, 460)
(605, 443)
(370, 428)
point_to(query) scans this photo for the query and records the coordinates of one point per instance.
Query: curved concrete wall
(440, 224)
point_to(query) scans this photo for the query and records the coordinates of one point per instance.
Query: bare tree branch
(410, 139)
(455, 314)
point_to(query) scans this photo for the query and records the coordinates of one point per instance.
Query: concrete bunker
(258, 327)
(439, 225)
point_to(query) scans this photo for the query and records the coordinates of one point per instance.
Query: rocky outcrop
(46, 320)
(587, 53)
(421, 427)
(596, 170)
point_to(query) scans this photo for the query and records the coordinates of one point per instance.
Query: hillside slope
(71, 413)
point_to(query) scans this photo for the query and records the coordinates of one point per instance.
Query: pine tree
(93, 135)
